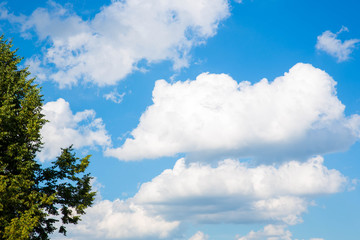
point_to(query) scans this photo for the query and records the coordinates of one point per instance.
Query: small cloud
(353, 185)
(114, 96)
(199, 236)
(64, 128)
(269, 232)
(36, 69)
(96, 186)
(329, 43)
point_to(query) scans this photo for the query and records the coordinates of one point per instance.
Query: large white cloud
(329, 43)
(234, 192)
(65, 128)
(196, 192)
(108, 47)
(297, 114)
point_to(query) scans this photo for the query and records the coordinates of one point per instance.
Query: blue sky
(207, 119)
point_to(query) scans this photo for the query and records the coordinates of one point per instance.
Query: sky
(206, 120)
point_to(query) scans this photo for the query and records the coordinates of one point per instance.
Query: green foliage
(33, 198)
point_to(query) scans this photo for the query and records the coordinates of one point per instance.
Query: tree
(33, 198)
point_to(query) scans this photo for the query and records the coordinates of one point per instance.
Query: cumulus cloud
(65, 128)
(120, 220)
(228, 192)
(236, 193)
(296, 115)
(108, 47)
(329, 43)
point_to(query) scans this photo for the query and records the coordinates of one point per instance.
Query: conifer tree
(33, 198)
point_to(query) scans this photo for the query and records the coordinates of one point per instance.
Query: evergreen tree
(33, 198)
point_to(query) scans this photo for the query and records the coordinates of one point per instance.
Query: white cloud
(114, 96)
(229, 192)
(105, 49)
(270, 232)
(199, 236)
(65, 128)
(233, 192)
(329, 43)
(35, 68)
(296, 115)
(4, 14)
(120, 220)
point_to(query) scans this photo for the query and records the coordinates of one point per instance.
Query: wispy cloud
(114, 96)
(329, 43)
(296, 115)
